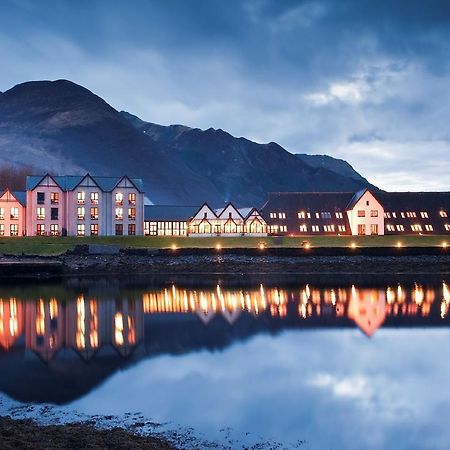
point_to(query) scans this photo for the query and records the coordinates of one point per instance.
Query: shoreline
(97, 261)
(26, 433)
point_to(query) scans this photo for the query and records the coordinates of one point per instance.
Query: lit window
(40, 213)
(429, 227)
(14, 229)
(387, 215)
(132, 198)
(94, 213)
(361, 213)
(390, 227)
(94, 229)
(447, 227)
(328, 228)
(374, 228)
(54, 198)
(14, 213)
(54, 229)
(374, 213)
(132, 213)
(81, 197)
(273, 215)
(411, 214)
(317, 215)
(339, 215)
(2, 213)
(402, 214)
(2, 229)
(341, 228)
(400, 228)
(303, 228)
(119, 213)
(394, 215)
(361, 229)
(315, 228)
(40, 229)
(283, 228)
(81, 213)
(281, 215)
(424, 215)
(94, 198)
(81, 229)
(416, 227)
(443, 213)
(119, 198)
(301, 215)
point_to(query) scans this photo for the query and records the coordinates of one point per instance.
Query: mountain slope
(62, 127)
(245, 171)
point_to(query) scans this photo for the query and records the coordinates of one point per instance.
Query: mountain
(334, 164)
(61, 127)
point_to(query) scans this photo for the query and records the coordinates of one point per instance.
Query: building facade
(361, 213)
(203, 221)
(84, 206)
(12, 213)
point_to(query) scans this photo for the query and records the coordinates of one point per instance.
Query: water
(329, 363)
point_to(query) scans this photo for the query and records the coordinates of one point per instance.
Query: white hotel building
(84, 206)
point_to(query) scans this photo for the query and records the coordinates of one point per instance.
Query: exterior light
(353, 245)
(444, 244)
(218, 246)
(399, 244)
(307, 245)
(262, 246)
(174, 247)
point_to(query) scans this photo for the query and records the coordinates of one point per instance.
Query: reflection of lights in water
(390, 295)
(445, 293)
(418, 294)
(444, 309)
(118, 329)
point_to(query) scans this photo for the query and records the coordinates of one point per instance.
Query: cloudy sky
(363, 80)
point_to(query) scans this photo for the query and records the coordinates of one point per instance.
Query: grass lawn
(58, 245)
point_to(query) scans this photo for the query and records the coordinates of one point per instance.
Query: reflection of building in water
(367, 308)
(88, 325)
(84, 325)
(11, 322)
(44, 327)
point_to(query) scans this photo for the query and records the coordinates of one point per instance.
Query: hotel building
(12, 213)
(361, 213)
(84, 206)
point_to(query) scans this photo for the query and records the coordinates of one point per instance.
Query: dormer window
(442, 213)
(424, 215)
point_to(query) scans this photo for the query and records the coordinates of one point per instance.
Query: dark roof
(70, 182)
(414, 201)
(21, 197)
(306, 201)
(169, 212)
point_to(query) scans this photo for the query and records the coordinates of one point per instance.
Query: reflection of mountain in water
(57, 349)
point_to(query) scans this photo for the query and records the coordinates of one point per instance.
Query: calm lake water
(326, 364)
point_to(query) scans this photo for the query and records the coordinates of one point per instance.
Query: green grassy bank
(58, 245)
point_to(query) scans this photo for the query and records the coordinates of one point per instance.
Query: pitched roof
(169, 212)
(70, 182)
(414, 201)
(21, 197)
(312, 201)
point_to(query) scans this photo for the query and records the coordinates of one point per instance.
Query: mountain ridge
(63, 127)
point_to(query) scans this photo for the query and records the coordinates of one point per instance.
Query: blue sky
(356, 79)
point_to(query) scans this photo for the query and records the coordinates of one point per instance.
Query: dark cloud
(312, 75)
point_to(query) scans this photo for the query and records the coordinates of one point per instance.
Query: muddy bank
(145, 263)
(25, 434)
